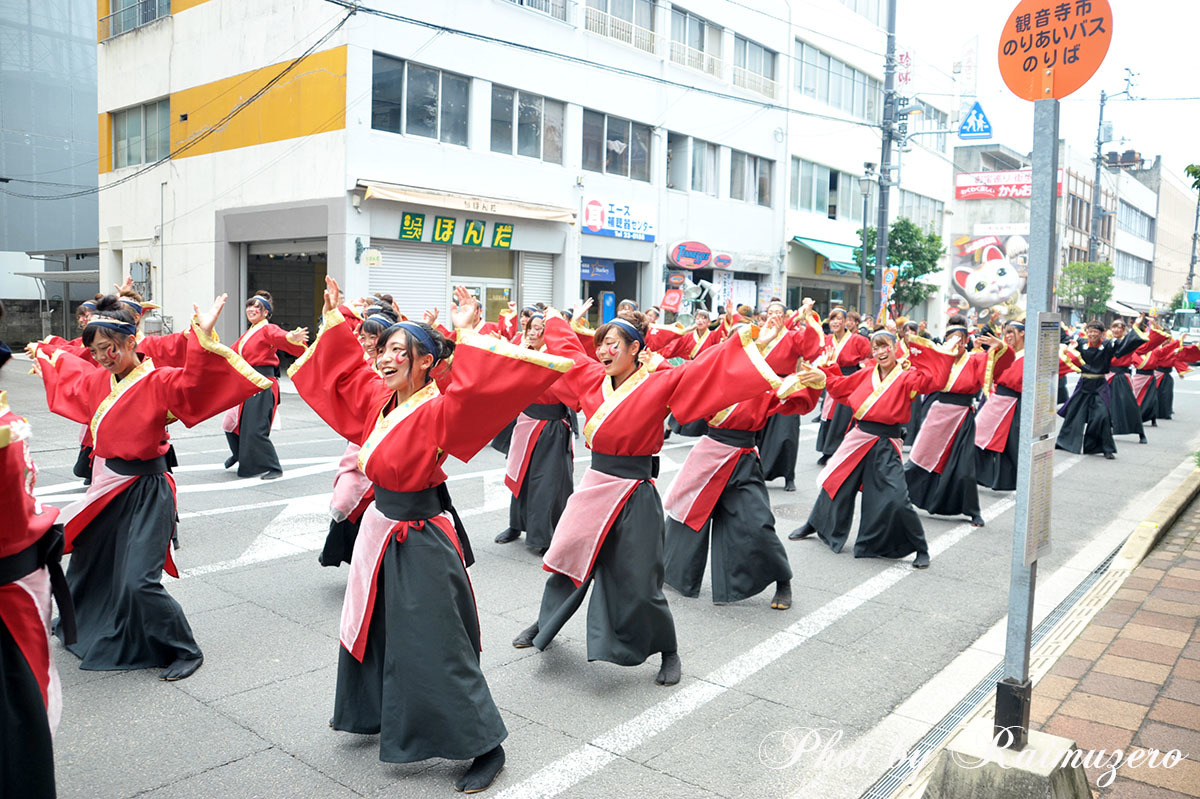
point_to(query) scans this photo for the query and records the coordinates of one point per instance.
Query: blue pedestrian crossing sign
(975, 124)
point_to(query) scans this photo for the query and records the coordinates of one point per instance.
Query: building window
(753, 66)
(750, 178)
(616, 146)
(141, 135)
(1131, 268)
(125, 15)
(677, 161)
(628, 21)
(924, 212)
(1134, 220)
(832, 82)
(825, 191)
(704, 167)
(555, 8)
(874, 10)
(536, 121)
(695, 42)
(930, 119)
(418, 100)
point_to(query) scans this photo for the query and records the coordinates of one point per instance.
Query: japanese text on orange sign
(1049, 49)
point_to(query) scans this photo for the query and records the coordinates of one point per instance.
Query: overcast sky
(1159, 39)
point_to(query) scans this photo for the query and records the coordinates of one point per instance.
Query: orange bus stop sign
(1049, 48)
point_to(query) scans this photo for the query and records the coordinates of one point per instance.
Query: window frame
(632, 129)
(120, 119)
(442, 107)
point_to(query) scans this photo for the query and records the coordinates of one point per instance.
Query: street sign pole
(1014, 689)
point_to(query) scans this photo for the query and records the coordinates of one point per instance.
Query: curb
(1151, 530)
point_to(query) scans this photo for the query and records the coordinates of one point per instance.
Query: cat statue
(995, 281)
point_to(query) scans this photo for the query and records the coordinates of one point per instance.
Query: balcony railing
(755, 82)
(622, 30)
(696, 59)
(559, 9)
(140, 13)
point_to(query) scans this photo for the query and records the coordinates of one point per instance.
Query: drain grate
(900, 773)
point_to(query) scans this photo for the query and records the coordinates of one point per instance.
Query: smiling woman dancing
(408, 667)
(119, 533)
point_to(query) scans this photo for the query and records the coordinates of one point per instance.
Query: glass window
(387, 93)
(152, 137)
(421, 108)
(529, 125)
(639, 153)
(456, 92)
(593, 141)
(822, 77)
(821, 187)
(677, 160)
(120, 139)
(764, 169)
(704, 167)
(552, 144)
(808, 177)
(794, 184)
(133, 131)
(616, 147)
(737, 175)
(502, 119)
(810, 72)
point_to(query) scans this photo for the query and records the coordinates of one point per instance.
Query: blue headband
(537, 315)
(630, 329)
(113, 324)
(263, 301)
(89, 304)
(890, 335)
(134, 304)
(1021, 325)
(421, 336)
(956, 329)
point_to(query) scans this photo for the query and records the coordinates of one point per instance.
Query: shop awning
(838, 257)
(1121, 309)
(497, 206)
(82, 276)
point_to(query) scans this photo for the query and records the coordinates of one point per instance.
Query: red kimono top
(849, 351)
(662, 338)
(627, 420)
(691, 343)
(1151, 341)
(260, 344)
(167, 350)
(792, 344)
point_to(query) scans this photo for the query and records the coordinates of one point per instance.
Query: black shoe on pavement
(482, 772)
(524, 639)
(508, 535)
(783, 595)
(801, 532)
(824, 459)
(1108, 456)
(789, 485)
(976, 520)
(271, 475)
(1154, 423)
(671, 669)
(230, 461)
(921, 561)
(1142, 439)
(181, 669)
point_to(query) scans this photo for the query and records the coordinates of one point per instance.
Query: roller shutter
(416, 275)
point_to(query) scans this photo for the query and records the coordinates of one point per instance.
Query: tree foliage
(915, 252)
(1086, 286)
(1193, 171)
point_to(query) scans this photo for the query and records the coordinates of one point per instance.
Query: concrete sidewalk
(1131, 681)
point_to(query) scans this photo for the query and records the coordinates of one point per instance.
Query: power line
(207, 132)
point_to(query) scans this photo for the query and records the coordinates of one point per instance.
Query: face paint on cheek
(614, 350)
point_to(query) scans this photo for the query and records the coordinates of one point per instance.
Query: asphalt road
(861, 638)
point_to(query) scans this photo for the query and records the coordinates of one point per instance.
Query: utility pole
(885, 157)
(1094, 234)
(1195, 235)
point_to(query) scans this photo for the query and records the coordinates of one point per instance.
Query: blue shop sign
(600, 270)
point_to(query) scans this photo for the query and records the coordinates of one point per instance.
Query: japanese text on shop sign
(622, 221)
(1039, 42)
(444, 228)
(1049, 49)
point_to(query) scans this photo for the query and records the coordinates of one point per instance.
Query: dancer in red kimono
(998, 424)
(30, 546)
(846, 351)
(541, 457)
(408, 666)
(248, 427)
(720, 488)
(119, 533)
(1123, 401)
(941, 468)
(779, 439)
(611, 533)
(869, 456)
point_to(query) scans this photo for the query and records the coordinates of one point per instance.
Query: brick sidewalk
(1131, 680)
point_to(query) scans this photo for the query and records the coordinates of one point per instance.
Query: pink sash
(854, 448)
(372, 541)
(993, 422)
(704, 475)
(827, 408)
(232, 419)
(938, 429)
(585, 522)
(349, 485)
(1140, 384)
(25, 612)
(520, 450)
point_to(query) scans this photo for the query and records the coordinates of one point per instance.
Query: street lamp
(864, 188)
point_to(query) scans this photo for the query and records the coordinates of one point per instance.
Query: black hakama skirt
(890, 527)
(1123, 406)
(1063, 394)
(998, 470)
(26, 745)
(954, 491)
(124, 616)
(547, 487)
(251, 444)
(339, 542)
(628, 619)
(419, 686)
(833, 430)
(1166, 395)
(1149, 406)
(778, 446)
(916, 415)
(1087, 426)
(691, 429)
(503, 439)
(747, 555)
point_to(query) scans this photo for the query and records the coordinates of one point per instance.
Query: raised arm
(930, 366)
(730, 372)
(212, 379)
(67, 380)
(563, 341)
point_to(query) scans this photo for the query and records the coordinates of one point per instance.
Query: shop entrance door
(495, 295)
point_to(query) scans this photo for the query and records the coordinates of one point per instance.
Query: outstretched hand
(206, 321)
(462, 308)
(430, 317)
(332, 292)
(298, 336)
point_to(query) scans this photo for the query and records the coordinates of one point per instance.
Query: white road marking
(568, 771)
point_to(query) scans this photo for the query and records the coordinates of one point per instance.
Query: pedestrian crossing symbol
(975, 124)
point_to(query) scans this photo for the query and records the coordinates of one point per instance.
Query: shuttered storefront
(537, 278)
(416, 275)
